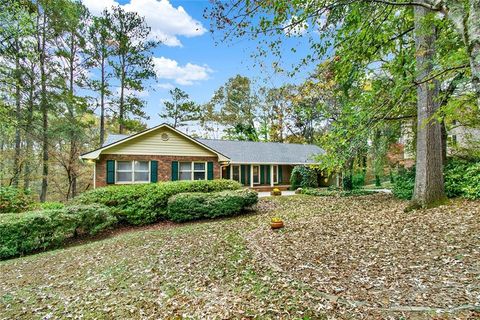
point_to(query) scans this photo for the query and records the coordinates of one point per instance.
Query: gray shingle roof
(254, 152)
(265, 152)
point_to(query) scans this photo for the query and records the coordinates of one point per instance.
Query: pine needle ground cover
(337, 257)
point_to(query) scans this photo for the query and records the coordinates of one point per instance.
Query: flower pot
(277, 224)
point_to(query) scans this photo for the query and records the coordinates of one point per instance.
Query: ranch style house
(163, 153)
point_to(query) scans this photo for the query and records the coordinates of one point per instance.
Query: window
(185, 171)
(199, 171)
(132, 171)
(275, 174)
(192, 171)
(236, 173)
(256, 174)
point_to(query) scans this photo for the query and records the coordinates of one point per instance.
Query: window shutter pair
(111, 171)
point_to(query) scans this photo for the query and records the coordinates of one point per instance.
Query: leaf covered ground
(337, 258)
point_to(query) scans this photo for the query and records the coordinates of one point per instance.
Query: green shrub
(303, 177)
(51, 205)
(146, 203)
(25, 232)
(192, 206)
(462, 179)
(358, 180)
(92, 218)
(14, 200)
(404, 183)
(22, 233)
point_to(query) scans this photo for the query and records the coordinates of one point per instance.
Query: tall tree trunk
(28, 124)
(18, 115)
(429, 189)
(43, 109)
(121, 111)
(102, 101)
(71, 171)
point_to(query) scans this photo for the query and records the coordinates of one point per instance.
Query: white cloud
(165, 86)
(166, 21)
(184, 75)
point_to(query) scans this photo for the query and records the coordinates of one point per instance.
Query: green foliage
(462, 179)
(14, 200)
(404, 183)
(51, 205)
(192, 206)
(180, 109)
(303, 177)
(35, 230)
(146, 203)
(358, 180)
(92, 218)
(26, 232)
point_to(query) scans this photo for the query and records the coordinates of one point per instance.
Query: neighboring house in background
(164, 153)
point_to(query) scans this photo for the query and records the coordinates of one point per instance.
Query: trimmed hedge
(25, 232)
(14, 200)
(192, 206)
(146, 203)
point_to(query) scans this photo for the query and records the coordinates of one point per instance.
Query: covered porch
(261, 177)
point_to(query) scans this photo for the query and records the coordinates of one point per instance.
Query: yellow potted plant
(276, 192)
(276, 223)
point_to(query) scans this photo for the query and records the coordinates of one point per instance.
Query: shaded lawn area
(358, 257)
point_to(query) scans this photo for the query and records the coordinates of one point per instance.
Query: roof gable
(159, 140)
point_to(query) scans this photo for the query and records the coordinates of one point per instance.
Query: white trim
(95, 175)
(275, 181)
(251, 176)
(95, 154)
(133, 172)
(271, 175)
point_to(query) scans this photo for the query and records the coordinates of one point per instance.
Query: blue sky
(189, 58)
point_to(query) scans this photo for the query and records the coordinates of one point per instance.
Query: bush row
(25, 232)
(192, 206)
(146, 203)
(462, 179)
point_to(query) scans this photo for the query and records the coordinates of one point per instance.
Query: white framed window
(132, 172)
(275, 174)
(199, 171)
(192, 171)
(256, 174)
(236, 173)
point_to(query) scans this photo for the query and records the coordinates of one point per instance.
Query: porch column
(271, 175)
(231, 172)
(251, 176)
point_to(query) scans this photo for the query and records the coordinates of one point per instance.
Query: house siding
(152, 143)
(164, 170)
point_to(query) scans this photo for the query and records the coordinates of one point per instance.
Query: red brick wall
(164, 165)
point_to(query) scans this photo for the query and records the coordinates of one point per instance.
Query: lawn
(349, 257)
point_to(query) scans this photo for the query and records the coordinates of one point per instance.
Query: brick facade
(164, 165)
